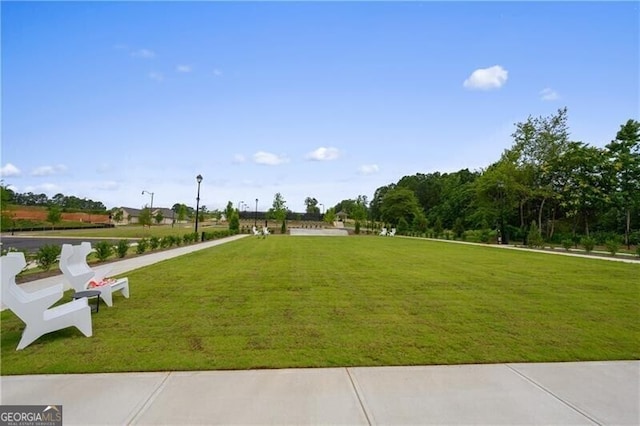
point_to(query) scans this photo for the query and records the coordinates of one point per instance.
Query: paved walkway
(590, 393)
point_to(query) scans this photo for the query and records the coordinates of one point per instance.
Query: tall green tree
(585, 189)
(497, 195)
(278, 210)
(54, 215)
(330, 215)
(538, 143)
(375, 206)
(145, 217)
(311, 205)
(400, 203)
(228, 211)
(234, 221)
(624, 157)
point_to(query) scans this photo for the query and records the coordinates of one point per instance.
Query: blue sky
(329, 100)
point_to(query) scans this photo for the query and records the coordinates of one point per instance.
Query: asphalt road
(32, 244)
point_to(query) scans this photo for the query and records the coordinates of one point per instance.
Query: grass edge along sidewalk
(324, 302)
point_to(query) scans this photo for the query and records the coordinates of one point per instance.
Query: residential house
(131, 216)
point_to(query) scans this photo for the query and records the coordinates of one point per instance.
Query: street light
(150, 208)
(240, 203)
(255, 221)
(199, 179)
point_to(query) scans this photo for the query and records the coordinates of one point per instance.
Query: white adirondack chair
(392, 232)
(34, 308)
(256, 232)
(383, 231)
(265, 231)
(73, 264)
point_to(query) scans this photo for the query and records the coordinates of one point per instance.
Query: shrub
(638, 250)
(103, 250)
(122, 248)
(47, 256)
(567, 244)
(613, 246)
(535, 239)
(588, 243)
(283, 228)
(142, 246)
(154, 243)
(357, 230)
(234, 221)
(437, 228)
(458, 228)
(166, 241)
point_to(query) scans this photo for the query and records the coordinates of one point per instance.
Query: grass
(358, 301)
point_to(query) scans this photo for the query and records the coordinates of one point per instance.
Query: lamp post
(255, 220)
(150, 208)
(239, 207)
(198, 179)
(322, 207)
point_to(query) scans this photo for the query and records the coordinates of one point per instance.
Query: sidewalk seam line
(147, 403)
(355, 389)
(568, 404)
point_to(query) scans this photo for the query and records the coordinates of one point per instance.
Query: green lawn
(357, 301)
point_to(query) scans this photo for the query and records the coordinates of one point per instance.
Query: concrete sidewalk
(591, 393)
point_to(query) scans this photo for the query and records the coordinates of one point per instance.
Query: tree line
(66, 203)
(545, 182)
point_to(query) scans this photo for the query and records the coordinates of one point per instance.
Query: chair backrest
(73, 264)
(13, 296)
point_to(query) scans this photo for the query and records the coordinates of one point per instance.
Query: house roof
(167, 213)
(131, 211)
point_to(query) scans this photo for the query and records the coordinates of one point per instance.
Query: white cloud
(368, 169)
(239, 158)
(217, 72)
(9, 170)
(184, 68)
(156, 76)
(323, 154)
(49, 188)
(49, 170)
(269, 159)
(144, 53)
(548, 94)
(487, 78)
